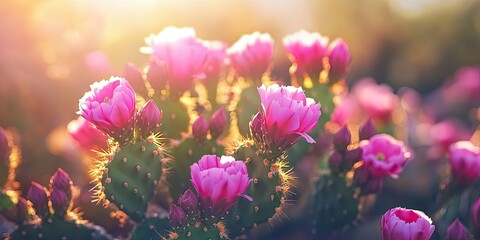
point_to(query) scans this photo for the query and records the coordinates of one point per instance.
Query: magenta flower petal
(406, 224)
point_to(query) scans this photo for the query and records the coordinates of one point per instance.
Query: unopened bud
(367, 130)
(335, 160)
(22, 210)
(367, 182)
(200, 129)
(351, 157)
(218, 123)
(457, 231)
(342, 139)
(256, 127)
(5, 149)
(188, 202)
(38, 196)
(148, 119)
(61, 181)
(60, 202)
(476, 214)
(339, 59)
(156, 74)
(134, 76)
(177, 216)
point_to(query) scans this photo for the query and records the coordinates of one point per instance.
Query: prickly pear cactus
(268, 189)
(200, 230)
(129, 176)
(247, 107)
(185, 154)
(334, 204)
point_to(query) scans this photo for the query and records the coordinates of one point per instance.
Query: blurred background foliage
(52, 50)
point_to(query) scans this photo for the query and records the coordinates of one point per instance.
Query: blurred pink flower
(148, 119)
(98, 62)
(377, 100)
(251, 55)
(383, 155)
(444, 133)
(465, 162)
(465, 86)
(287, 115)
(219, 182)
(406, 224)
(346, 111)
(216, 58)
(110, 106)
(182, 52)
(87, 136)
(339, 58)
(307, 51)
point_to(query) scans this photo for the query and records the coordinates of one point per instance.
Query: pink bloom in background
(377, 100)
(465, 86)
(98, 62)
(87, 136)
(307, 51)
(406, 224)
(346, 111)
(339, 58)
(134, 76)
(383, 155)
(287, 114)
(216, 58)
(182, 52)
(110, 106)
(465, 162)
(219, 182)
(251, 55)
(444, 133)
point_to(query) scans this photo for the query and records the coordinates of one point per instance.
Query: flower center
(106, 99)
(380, 156)
(408, 216)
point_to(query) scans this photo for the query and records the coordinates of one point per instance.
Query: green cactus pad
(57, 228)
(131, 177)
(247, 106)
(267, 189)
(200, 231)
(334, 205)
(184, 155)
(152, 229)
(175, 117)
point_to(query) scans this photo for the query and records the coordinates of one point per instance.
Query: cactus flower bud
(200, 129)
(287, 115)
(383, 155)
(339, 58)
(4, 147)
(110, 106)
(134, 76)
(367, 130)
(219, 182)
(256, 128)
(23, 212)
(335, 160)
(38, 196)
(60, 201)
(61, 181)
(177, 216)
(465, 162)
(457, 231)
(367, 182)
(148, 119)
(251, 55)
(342, 139)
(218, 123)
(189, 202)
(406, 224)
(476, 214)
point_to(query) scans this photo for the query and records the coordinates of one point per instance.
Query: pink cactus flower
(447, 132)
(339, 58)
(88, 137)
(406, 224)
(110, 106)
(383, 155)
(219, 182)
(251, 55)
(216, 58)
(307, 51)
(377, 100)
(148, 119)
(287, 115)
(465, 162)
(182, 52)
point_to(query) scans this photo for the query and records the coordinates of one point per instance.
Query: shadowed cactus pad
(334, 205)
(130, 178)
